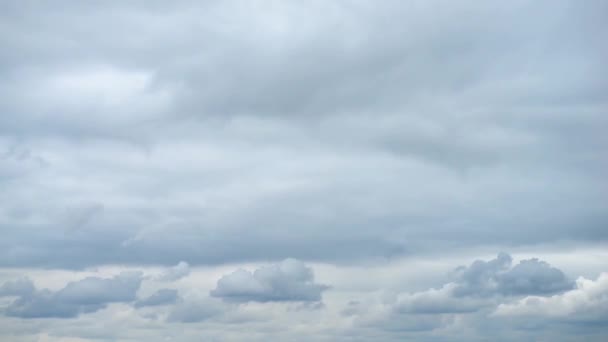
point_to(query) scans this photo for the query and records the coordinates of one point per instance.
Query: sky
(303, 170)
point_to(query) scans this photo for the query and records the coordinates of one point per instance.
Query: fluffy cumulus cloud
(287, 281)
(490, 307)
(77, 297)
(496, 276)
(485, 283)
(381, 144)
(587, 302)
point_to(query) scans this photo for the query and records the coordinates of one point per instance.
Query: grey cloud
(485, 284)
(287, 281)
(440, 301)
(529, 277)
(193, 311)
(342, 132)
(78, 297)
(534, 277)
(586, 303)
(479, 277)
(78, 217)
(478, 130)
(19, 287)
(182, 269)
(491, 299)
(160, 297)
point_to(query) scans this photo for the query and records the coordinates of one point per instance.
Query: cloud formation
(288, 281)
(84, 296)
(588, 302)
(181, 149)
(382, 143)
(496, 276)
(484, 283)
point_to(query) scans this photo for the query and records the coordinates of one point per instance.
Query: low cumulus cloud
(77, 297)
(588, 302)
(496, 276)
(485, 284)
(492, 298)
(290, 280)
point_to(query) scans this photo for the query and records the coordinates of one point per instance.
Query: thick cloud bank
(222, 132)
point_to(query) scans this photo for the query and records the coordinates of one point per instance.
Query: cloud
(287, 281)
(485, 284)
(84, 296)
(348, 134)
(528, 277)
(437, 301)
(186, 143)
(588, 302)
(160, 297)
(195, 310)
(181, 270)
(533, 277)
(78, 217)
(19, 287)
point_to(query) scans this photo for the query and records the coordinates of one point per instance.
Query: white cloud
(588, 301)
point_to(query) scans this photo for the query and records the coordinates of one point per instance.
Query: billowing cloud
(77, 297)
(287, 281)
(483, 284)
(588, 302)
(496, 276)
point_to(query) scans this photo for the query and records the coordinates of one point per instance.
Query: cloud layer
(303, 170)
(476, 302)
(348, 132)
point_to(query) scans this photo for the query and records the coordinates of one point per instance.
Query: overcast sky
(303, 170)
